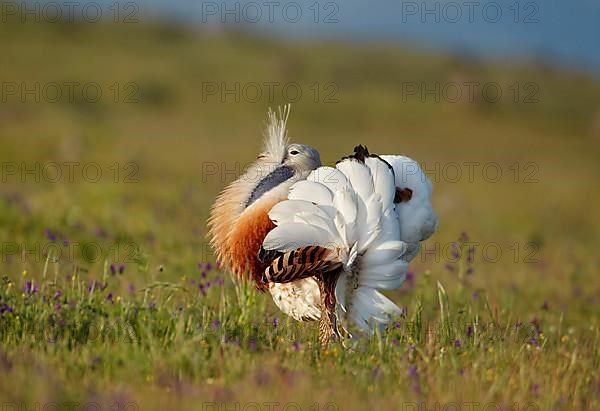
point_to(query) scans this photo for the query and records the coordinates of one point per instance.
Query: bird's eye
(294, 152)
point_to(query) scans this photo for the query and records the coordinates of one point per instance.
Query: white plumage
(418, 221)
(298, 299)
(353, 211)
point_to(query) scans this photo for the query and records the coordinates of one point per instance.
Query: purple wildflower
(296, 345)
(57, 307)
(100, 232)
(457, 343)
(113, 269)
(252, 344)
(275, 322)
(57, 294)
(535, 389)
(412, 372)
(203, 274)
(455, 254)
(533, 341)
(215, 323)
(470, 254)
(131, 288)
(5, 308)
(49, 234)
(208, 266)
(30, 288)
(121, 268)
(109, 297)
(536, 324)
(397, 324)
(469, 330)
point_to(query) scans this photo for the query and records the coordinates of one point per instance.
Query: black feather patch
(360, 153)
(403, 195)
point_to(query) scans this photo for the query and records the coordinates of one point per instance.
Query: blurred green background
(167, 138)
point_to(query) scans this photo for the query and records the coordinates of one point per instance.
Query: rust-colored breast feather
(247, 237)
(236, 232)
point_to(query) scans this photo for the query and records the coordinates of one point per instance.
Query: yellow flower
(564, 338)
(24, 273)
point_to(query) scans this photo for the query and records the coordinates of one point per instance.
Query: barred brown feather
(301, 263)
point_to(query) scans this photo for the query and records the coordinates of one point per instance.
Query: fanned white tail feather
(417, 219)
(349, 210)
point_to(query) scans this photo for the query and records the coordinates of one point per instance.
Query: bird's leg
(328, 323)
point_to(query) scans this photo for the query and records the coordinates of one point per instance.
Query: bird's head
(301, 158)
(296, 163)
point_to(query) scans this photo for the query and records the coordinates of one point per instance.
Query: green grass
(517, 331)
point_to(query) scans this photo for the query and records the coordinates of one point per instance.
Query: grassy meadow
(110, 296)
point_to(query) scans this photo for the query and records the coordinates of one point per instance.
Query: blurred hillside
(164, 107)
